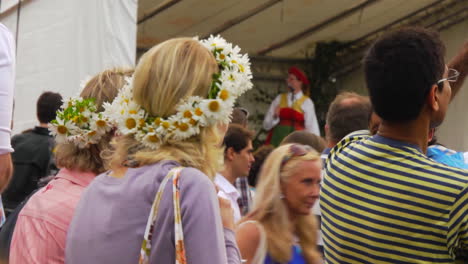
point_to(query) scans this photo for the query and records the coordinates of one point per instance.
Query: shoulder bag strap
(146, 244)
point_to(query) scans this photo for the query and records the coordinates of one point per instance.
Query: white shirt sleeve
(7, 81)
(270, 121)
(310, 118)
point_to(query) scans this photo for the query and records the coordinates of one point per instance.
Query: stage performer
(291, 111)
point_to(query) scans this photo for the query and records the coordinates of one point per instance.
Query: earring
(281, 196)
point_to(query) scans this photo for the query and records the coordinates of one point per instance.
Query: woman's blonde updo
(169, 72)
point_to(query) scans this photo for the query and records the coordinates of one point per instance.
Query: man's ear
(229, 154)
(433, 97)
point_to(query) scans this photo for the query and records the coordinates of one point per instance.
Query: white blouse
(310, 119)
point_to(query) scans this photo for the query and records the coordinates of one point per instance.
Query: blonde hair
(171, 71)
(103, 87)
(272, 212)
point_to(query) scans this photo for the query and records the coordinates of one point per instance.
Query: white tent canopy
(60, 43)
(287, 28)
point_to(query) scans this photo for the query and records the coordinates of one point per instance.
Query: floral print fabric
(178, 230)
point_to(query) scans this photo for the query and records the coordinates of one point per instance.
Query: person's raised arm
(459, 63)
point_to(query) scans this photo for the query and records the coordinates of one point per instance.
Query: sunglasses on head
(295, 150)
(244, 111)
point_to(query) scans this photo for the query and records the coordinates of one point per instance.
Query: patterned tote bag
(179, 236)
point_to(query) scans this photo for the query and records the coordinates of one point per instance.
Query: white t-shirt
(229, 192)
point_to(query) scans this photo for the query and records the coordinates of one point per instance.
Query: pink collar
(77, 177)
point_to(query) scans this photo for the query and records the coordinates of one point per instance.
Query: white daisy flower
(93, 136)
(139, 135)
(125, 95)
(148, 128)
(151, 140)
(193, 101)
(85, 117)
(232, 81)
(100, 124)
(106, 105)
(244, 60)
(67, 102)
(183, 127)
(185, 130)
(234, 58)
(113, 112)
(62, 130)
(228, 49)
(110, 109)
(227, 95)
(214, 42)
(222, 55)
(236, 49)
(198, 117)
(229, 76)
(79, 141)
(190, 112)
(133, 108)
(165, 127)
(128, 123)
(216, 111)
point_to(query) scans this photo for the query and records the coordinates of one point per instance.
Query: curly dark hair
(400, 69)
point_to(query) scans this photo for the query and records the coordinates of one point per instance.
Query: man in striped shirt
(347, 113)
(382, 199)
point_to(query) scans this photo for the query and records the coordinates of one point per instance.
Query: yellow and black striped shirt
(384, 201)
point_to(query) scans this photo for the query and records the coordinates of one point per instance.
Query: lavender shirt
(111, 216)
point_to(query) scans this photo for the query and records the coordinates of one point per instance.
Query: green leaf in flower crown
(214, 89)
(223, 65)
(150, 119)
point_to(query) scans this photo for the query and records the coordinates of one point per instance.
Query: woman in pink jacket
(81, 135)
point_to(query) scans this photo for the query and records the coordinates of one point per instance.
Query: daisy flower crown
(79, 122)
(193, 113)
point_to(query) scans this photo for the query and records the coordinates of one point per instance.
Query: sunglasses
(243, 110)
(295, 150)
(452, 76)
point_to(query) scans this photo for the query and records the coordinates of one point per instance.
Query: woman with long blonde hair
(158, 203)
(281, 228)
(81, 135)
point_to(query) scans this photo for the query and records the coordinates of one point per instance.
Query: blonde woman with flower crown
(81, 134)
(281, 228)
(158, 204)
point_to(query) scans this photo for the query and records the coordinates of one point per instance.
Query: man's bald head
(347, 113)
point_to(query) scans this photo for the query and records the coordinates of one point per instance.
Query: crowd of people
(157, 165)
